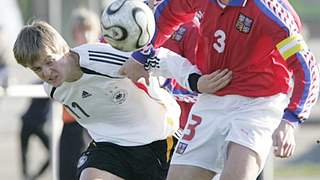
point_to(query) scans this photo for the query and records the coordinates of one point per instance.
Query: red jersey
(258, 40)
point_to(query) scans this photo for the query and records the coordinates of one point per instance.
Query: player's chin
(55, 83)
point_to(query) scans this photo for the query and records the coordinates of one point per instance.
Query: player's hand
(134, 70)
(284, 140)
(211, 83)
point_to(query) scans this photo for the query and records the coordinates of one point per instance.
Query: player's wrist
(142, 56)
(291, 118)
(193, 82)
(293, 125)
(139, 57)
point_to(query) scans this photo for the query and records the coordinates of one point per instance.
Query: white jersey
(111, 107)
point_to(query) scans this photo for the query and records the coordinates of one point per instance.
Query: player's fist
(134, 70)
(284, 140)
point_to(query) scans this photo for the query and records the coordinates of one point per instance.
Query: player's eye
(50, 62)
(36, 69)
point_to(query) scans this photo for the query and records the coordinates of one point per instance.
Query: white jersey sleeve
(171, 65)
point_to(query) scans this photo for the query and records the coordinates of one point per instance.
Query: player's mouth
(54, 81)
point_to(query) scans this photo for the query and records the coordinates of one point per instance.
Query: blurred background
(304, 165)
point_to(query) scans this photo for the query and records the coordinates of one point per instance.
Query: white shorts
(216, 120)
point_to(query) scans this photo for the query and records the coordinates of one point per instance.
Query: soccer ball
(127, 25)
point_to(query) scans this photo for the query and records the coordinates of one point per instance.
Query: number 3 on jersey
(196, 120)
(221, 38)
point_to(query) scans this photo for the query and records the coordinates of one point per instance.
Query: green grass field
(301, 170)
(307, 9)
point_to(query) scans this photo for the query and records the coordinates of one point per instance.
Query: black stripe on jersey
(105, 61)
(116, 55)
(110, 56)
(89, 71)
(107, 57)
(52, 91)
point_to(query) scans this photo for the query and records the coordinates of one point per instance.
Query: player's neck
(74, 72)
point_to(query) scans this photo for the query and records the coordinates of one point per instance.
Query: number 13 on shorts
(190, 131)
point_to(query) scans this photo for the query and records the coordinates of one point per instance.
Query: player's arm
(168, 64)
(305, 74)
(306, 86)
(300, 61)
(302, 64)
(304, 95)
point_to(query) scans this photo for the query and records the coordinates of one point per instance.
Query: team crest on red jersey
(178, 35)
(244, 23)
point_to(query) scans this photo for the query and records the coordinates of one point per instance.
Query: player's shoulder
(99, 52)
(281, 12)
(100, 57)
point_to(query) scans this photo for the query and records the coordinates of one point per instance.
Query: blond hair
(88, 22)
(35, 41)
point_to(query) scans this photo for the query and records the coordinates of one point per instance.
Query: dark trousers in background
(26, 131)
(71, 147)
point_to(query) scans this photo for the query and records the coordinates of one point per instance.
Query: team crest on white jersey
(82, 160)
(244, 23)
(119, 96)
